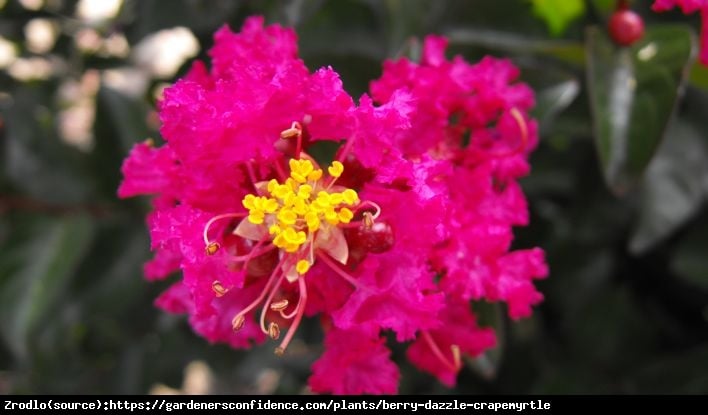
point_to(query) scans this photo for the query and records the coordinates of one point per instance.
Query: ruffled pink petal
(460, 330)
(355, 362)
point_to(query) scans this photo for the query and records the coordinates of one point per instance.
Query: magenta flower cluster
(401, 232)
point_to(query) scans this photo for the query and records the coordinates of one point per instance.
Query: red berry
(626, 27)
(376, 239)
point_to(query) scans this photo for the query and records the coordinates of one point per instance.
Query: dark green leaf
(673, 188)
(44, 262)
(633, 92)
(555, 90)
(569, 51)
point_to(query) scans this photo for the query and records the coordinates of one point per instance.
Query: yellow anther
(294, 165)
(336, 198)
(272, 185)
(298, 177)
(280, 191)
(300, 207)
(345, 215)
(331, 216)
(248, 202)
(302, 266)
(323, 197)
(350, 196)
(336, 169)
(294, 237)
(315, 175)
(270, 205)
(313, 221)
(306, 167)
(256, 217)
(287, 217)
(304, 191)
(290, 199)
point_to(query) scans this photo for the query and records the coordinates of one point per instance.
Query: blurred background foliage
(617, 193)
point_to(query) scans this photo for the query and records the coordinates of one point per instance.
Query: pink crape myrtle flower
(688, 7)
(470, 123)
(390, 235)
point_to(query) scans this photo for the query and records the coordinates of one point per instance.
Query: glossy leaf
(633, 92)
(555, 88)
(673, 188)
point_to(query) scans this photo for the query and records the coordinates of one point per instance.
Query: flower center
(297, 211)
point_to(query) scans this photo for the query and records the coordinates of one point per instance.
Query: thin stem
(298, 317)
(239, 258)
(346, 149)
(455, 365)
(265, 289)
(369, 203)
(251, 255)
(266, 305)
(279, 171)
(216, 218)
(330, 262)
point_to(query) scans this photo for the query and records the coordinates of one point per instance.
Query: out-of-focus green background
(617, 193)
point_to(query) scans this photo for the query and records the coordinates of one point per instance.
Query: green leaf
(633, 92)
(555, 88)
(519, 43)
(39, 265)
(558, 14)
(120, 123)
(673, 188)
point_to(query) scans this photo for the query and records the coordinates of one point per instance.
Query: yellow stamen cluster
(296, 209)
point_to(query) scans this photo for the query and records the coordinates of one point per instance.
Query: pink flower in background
(407, 224)
(688, 7)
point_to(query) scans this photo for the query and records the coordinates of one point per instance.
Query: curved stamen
(298, 317)
(294, 312)
(261, 296)
(456, 364)
(240, 258)
(330, 262)
(266, 305)
(205, 232)
(295, 131)
(369, 203)
(346, 149)
(252, 255)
